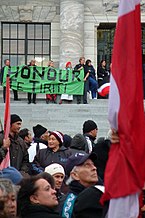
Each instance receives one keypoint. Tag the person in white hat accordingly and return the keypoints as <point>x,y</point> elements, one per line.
<point>58,173</point>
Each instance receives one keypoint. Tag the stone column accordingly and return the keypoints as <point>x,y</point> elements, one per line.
<point>71,31</point>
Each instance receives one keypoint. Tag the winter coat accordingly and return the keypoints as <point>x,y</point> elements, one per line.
<point>91,208</point>
<point>67,203</point>
<point>19,157</point>
<point>46,157</point>
<point>90,140</point>
<point>36,145</point>
<point>39,211</point>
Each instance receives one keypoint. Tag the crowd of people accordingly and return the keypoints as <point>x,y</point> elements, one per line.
<point>52,174</point>
<point>92,81</point>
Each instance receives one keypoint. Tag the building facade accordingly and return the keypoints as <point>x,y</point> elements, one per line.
<point>58,30</point>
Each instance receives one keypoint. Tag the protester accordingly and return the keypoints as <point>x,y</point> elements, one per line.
<point>40,141</point>
<point>10,203</point>
<point>93,84</point>
<point>80,66</point>
<point>26,135</point>
<point>57,171</point>
<point>30,99</point>
<point>51,97</point>
<point>90,130</point>
<point>7,64</point>
<point>66,97</point>
<point>54,153</point>
<point>103,74</point>
<point>18,153</point>
<point>37,198</point>
<point>81,173</point>
<point>12,174</point>
<point>101,149</point>
<point>79,144</point>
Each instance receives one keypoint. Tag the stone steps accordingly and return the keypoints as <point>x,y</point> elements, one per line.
<point>67,118</point>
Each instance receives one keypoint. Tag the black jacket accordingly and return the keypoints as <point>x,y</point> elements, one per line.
<point>19,157</point>
<point>87,204</point>
<point>46,157</point>
<point>67,203</point>
<point>38,211</point>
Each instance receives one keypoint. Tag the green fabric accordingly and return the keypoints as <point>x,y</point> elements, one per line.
<point>45,80</point>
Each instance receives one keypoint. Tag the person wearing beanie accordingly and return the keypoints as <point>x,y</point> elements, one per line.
<point>19,157</point>
<point>40,141</point>
<point>90,130</point>
<point>57,172</point>
<point>79,144</point>
<point>66,97</point>
<point>12,174</point>
<point>54,153</point>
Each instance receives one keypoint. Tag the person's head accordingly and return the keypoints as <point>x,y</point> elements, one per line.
<point>55,140</point>
<point>40,132</point>
<point>15,122</point>
<point>32,62</point>
<point>88,62</point>
<point>81,167</point>
<point>82,60</point>
<point>12,174</point>
<point>51,64</point>
<point>79,142</point>
<point>7,62</point>
<point>68,65</point>
<point>103,63</point>
<point>36,190</point>
<point>57,171</point>
<point>90,127</point>
<point>26,135</point>
<point>10,204</point>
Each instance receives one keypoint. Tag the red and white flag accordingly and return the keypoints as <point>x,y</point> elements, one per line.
<point>125,170</point>
<point>6,161</point>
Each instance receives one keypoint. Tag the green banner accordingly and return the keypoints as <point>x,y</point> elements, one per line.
<point>45,80</point>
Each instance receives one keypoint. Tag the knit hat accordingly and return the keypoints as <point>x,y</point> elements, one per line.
<point>58,135</point>
<point>89,125</point>
<point>12,174</point>
<point>67,64</point>
<point>15,118</point>
<point>79,142</point>
<point>78,159</point>
<point>38,130</point>
<point>54,168</point>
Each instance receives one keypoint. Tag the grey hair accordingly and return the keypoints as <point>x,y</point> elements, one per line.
<point>70,178</point>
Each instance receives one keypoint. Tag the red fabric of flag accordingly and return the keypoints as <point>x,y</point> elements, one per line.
<point>125,170</point>
<point>6,160</point>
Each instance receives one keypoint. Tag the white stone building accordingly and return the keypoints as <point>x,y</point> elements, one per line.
<point>60,30</point>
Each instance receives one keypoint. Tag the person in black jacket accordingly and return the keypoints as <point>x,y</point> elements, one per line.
<point>103,74</point>
<point>80,66</point>
<point>37,197</point>
<point>30,98</point>
<point>19,157</point>
<point>54,153</point>
<point>93,84</point>
<point>7,64</point>
<point>90,130</point>
<point>87,204</point>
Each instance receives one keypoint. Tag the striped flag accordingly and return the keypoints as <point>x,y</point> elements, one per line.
<point>125,170</point>
<point>6,161</point>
